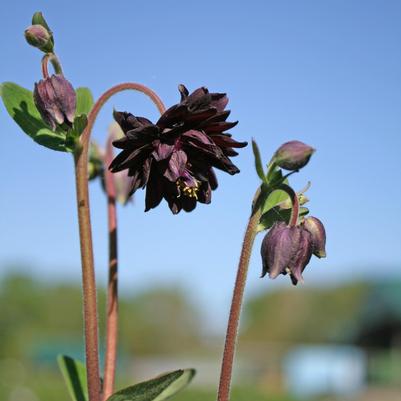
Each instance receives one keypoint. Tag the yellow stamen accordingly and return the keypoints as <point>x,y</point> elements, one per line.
<point>191,192</point>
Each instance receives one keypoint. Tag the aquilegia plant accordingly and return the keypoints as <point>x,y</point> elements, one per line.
<point>174,159</point>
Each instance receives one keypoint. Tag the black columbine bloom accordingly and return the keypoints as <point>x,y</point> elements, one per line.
<point>174,158</point>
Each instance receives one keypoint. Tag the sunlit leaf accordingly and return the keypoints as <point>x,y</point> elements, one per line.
<point>21,107</point>
<point>84,101</point>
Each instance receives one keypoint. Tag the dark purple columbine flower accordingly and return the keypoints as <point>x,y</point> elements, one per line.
<point>285,250</point>
<point>55,100</point>
<point>174,158</point>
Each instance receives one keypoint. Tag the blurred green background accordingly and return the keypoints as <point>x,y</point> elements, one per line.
<point>162,330</point>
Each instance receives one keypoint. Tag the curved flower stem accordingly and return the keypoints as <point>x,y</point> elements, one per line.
<point>55,63</point>
<point>236,304</point>
<point>112,287</point>
<point>85,233</point>
<point>295,203</point>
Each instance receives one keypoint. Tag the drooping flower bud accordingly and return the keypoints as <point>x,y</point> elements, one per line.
<point>38,36</point>
<point>293,155</point>
<point>301,257</point>
<point>318,233</point>
<point>285,250</point>
<point>55,100</point>
<point>278,246</point>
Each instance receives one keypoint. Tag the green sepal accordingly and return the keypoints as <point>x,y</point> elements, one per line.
<point>277,214</point>
<point>21,107</point>
<point>84,101</point>
<point>75,132</point>
<point>38,19</point>
<point>258,161</point>
<point>74,373</point>
<point>158,389</point>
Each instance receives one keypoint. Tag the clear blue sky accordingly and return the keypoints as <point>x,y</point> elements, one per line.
<point>324,72</point>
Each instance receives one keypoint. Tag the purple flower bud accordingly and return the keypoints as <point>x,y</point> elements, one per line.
<point>285,250</point>
<point>301,256</point>
<point>293,155</point>
<point>318,233</point>
<point>38,36</point>
<point>55,100</point>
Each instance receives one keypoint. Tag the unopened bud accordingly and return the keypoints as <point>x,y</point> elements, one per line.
<point>286,250</point>
<point>293,155</point>
<point>316,228</point>
<point>39,37</point>
<point>55,100</point>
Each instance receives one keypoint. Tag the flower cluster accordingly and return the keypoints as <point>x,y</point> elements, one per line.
<point>174,158</point>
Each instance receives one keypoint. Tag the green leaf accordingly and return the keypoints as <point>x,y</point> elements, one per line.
<point>258,161</point>
<point>274,198</point>
<point>75,132</point>
<point>21,107</point>
<point>84,101</point>
<point>74,373</point>
<point>158,389</point>
<point>277,214</point>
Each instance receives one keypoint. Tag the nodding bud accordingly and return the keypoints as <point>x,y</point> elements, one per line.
<point>55,100</point>
<point>293,155</point>
<point>318,233</point>
<point>285,250</point>
<point>38,36</point>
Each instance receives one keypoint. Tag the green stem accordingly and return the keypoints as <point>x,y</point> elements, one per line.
<point>236,304</point>
<point>88,272</point>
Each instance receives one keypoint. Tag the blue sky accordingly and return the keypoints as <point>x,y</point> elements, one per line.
<point>327,73</point>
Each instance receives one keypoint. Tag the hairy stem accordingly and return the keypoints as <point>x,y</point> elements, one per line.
<point>236,305</point>
<point>112,287</point>
<point>85,232</point>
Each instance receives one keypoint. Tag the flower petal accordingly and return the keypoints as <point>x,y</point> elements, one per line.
<point>176,165</point>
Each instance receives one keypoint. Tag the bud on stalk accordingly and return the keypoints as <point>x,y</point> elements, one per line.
<point>55,100</point>
<point>293,155</point>
<point>39,37</point>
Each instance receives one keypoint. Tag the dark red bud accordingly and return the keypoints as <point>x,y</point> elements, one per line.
<point>293,155</point>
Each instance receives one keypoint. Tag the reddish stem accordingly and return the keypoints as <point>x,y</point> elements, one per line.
<point>236,305</point>
<point>294,201</point>
<point>112,287</point>
<point>88,271</point>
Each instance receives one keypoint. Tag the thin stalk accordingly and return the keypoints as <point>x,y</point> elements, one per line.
<point>294,201</point>
<point>236,304</point>
<point>112,287</point>
<point>55,63</point>
<point>85,232</point>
